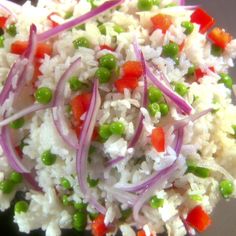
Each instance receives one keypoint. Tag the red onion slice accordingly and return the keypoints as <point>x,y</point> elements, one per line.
<point>177,99</point>
<point>83,147</point>
<point>157,185</point>
<point>9,151</point>
<point>80,20</point>
<point>5,137</point>
<point>144,184</point>
<point>183,122</point>
<point>179,140</point>
<point>59,118</point>
<point>24,112</point>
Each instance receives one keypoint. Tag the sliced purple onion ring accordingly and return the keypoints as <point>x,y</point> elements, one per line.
<point>167,173</point>
<point>179,140</point>
<point>183,122</point>
<point>59,118</point>
<point>10,152</point>
<point>177,99</point>
<point>83,148</point>
<point>80,20</point>
<point>24,112</point>
<point>5,136</point>
<point>144,184</point>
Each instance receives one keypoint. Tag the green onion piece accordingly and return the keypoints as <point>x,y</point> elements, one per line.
<point>196,197</point>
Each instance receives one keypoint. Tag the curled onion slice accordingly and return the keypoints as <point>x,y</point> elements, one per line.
<point>80,20</point>
<point>156,186</point>
<point>59,118</point>
<point>83,148</point>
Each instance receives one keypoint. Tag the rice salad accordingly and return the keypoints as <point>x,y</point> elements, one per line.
<point>115,116</point>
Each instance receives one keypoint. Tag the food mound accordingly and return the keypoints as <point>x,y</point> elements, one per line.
<point>115,116</point>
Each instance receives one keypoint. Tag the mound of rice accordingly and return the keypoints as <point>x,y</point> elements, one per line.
<point>208,142</point>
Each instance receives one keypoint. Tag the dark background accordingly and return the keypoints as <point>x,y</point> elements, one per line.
<point>224,215</point>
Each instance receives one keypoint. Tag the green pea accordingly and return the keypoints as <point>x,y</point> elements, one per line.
<point>81,42</point>
<point>196,197</point>
<point>170,50</point>
<point>125,214</point>
<point>102,29</point>
<point>6,186</point>
<point>164,109</point>
<point>188,26</point>
<point>43,95</point>
<point>2,39</point>
<point>191,71</point>
<point>156,202</point>
<point>181,89</point>
<point>92,182</point>
<point>75,84</point>
<point>117,128</point>
<point>154,94</point>
<point>65,183</point>
<point>103,74</point>
<point>234,129</point>
<point>21,207</point>
<point>11,30</point>
<point>68,15</point>
<point>153,108</point>
<point>226,188</point>
<point>145,5</point>
<point>216,51</point>
<point>171,5</point>
<point>156,2</point>
<point>108,61</point>
<point>80,27</point>
<point>48,158</point>
<point>17,124</point>
<point>80,206</point>
<point>104,131</point>
<point>16,177</point>
<point>118,29</point>
<point>65,200</point>
<point>226,80</point>
<point>79,220</point>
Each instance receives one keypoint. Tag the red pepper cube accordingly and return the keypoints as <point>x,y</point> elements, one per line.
<point>132,68</point>
<point>79,105</point>
<point>162,21</point>
<point>158,139</point>
<point>219,37</point>
<point>198,219</point>
<point>199,73</point>
<point>104,46</point>
<point>3,21</point>
<point>127,82</point>
<point>98,226</point>
<point>199,16</point>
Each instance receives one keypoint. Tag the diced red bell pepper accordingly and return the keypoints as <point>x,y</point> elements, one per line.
<point>52,17</point>
<point>3,21</point>
<point>98,226</point>
<point>181,46</point>
<point>198,219</point>
<point>219,37</point>
<point>141,233</point>
<point>162,21</point>
<point>199,16</point>
<point>19,47</point>
<point>104,46</point>
<point>199,73</point>
<point>158,139</point>
<point>80,105</point>
<point>127,82</point>
<point>132,68</point>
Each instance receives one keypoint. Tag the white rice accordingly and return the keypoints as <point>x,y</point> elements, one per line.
<point>207,141</point>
